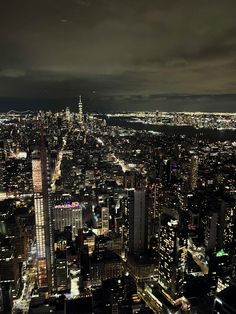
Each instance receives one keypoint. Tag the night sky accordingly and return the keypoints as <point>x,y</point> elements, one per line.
<point>133,54</point>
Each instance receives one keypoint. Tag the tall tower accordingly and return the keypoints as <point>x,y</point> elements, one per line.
<point>43,219</point>
<point>172,255</point>
<point>2,166</point>
<point>80,107</point>
<point>105,220</point>
<point>137,221</point>
<point>193,172</point>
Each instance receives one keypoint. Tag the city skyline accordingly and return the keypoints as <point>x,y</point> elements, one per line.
<point>130,103</point>
<point>124,213</point>
<point>118,157</point>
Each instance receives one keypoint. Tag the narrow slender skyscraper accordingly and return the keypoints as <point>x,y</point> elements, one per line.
<point>193,172</point>
<point>43,219</point>
<point>80,109</point>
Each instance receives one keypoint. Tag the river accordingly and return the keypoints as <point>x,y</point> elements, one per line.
<point>189,131</point>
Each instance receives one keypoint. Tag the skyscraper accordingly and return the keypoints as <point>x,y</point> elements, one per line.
<point>43,219</point>
<point>193,172</point>
<point>137,221</point>
<point>2,166</point>
<point>172,255</point>
<point>105,220</point>
<point>80,107</point>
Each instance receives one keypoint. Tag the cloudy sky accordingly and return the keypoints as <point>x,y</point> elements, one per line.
<point>117,48</point>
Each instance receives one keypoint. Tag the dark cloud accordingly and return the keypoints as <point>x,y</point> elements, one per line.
<point>62,48</point>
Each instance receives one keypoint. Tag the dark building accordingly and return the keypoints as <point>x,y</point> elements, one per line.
<point>61,270</point>
<point>137,213</point>
<point>225,301</point>
<point>105,265</point>
<point>80,305</point>
<point>6,300</point>
<point>9,265</point>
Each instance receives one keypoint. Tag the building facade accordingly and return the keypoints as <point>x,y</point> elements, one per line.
<point>68,214</point>
<point>43,220</point>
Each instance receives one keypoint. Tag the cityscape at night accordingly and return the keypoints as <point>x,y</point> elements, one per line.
<point>104,214</point>
<point>117,157</point>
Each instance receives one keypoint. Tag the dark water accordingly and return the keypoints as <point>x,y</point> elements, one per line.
<point>189,131</point>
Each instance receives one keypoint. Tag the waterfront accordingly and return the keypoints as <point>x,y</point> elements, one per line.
<point>203,133</point>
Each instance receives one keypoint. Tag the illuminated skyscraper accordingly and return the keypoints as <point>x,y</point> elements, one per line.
<point>193,172</point>
<point>80,107</point>
<point>43,220</point>
<point>2,166</point>
<point>105,220</point>
<point>172,255</point>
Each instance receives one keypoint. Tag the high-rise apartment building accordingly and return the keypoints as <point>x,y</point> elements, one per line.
<point>172,256</point>
<point>43,219</point>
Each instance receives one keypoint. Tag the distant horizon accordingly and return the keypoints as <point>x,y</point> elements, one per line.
<point>126,103</point>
